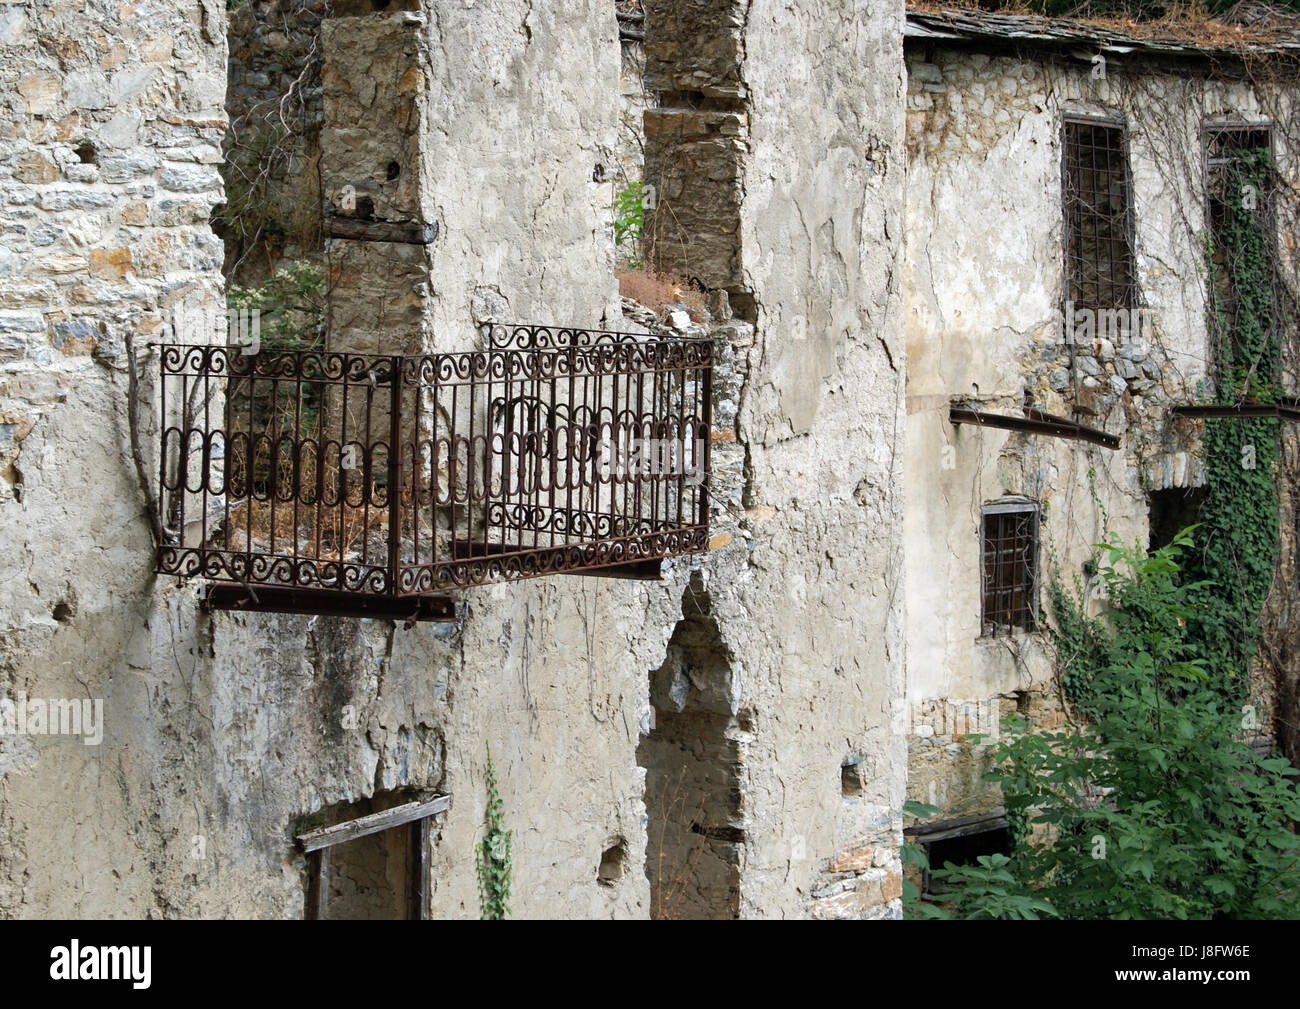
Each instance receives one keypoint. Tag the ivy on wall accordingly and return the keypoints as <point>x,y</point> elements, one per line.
<point>1229,570</point>
<point>1237,542</point>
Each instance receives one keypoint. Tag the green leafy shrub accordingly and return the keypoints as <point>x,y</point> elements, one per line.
<point>1154,810</point>
<point>291,306</point>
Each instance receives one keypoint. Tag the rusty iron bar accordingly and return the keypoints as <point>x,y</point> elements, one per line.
<point>550,451</point>
<point>1284,410</point>
<point>328,602</point>
<point>1034,422</point>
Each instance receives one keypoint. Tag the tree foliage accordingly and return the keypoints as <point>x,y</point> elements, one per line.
<point>1154,809</point>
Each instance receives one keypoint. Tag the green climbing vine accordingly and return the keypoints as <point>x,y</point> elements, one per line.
<point>1237,543</point>
<point>493,859</point>
<point>1228,569</point>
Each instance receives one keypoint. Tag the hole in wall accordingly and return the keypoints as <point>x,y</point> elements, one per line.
<point>1170,511</point>
<point>743,306</point>
<point>613,863</point>
<point>86,152</point>
<point>393,170</point>
<point>63,611</point>
<point>851,784</point>
<point>963,850</point>
<point>365,209</point>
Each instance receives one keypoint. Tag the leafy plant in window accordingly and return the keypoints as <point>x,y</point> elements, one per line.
<point>291,307</point>
<point>493,858</point>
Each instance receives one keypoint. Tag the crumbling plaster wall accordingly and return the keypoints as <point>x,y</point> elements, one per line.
<point>783,129</point>
<point>223,731</point>
<point>983,280</point>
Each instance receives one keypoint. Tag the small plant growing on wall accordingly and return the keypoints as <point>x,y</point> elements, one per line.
<point>629,224</point>
<point>493,857</point>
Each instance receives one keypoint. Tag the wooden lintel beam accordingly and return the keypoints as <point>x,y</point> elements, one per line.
<point>406,232</point>
<point>327,837</point>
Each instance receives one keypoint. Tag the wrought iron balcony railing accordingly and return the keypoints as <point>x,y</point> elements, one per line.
<point>308,481</point>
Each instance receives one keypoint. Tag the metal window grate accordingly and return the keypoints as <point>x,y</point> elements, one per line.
<point>1098,217</point>
<point>1009,553</point>
<point>1225,145</point>
<point>359,476</point>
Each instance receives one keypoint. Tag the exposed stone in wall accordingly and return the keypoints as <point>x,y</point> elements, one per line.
<point>694,159</point>
<point>695,147</point>
<point>274,100</point>
<point>375,77</point>
<point>108,149</point>
<point>696,46</point>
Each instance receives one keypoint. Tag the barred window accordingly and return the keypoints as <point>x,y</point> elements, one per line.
<point>1009,551</point>
<point>1099,257</point>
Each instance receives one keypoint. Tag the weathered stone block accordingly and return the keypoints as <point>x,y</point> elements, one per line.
<point>110,264</point>
<point>33,168</point>
<point>41,92</point>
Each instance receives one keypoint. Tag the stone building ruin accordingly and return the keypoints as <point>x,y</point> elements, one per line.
<point>709,705</point>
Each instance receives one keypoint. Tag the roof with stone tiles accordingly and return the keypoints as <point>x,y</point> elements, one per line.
<point>1249,30</point>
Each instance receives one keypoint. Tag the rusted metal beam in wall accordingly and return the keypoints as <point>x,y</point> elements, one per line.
<point>1287,409</point>
<point>327,602</point>
<point>1034,422</point>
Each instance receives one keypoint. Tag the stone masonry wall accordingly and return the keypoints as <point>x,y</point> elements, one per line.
<point>111,136</point>
<point>983,276</point>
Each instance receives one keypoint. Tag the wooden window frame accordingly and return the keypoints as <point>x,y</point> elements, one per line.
<point>416,816</point>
